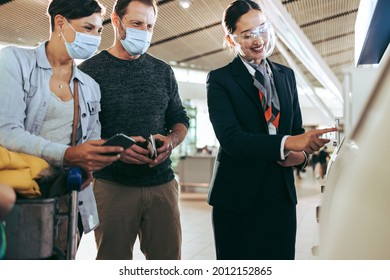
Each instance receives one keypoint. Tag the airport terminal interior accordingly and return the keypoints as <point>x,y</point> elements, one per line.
<point>340,56</point>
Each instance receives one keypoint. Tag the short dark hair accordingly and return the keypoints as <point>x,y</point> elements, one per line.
<point>234,11</point>
<point>73,9</point>
<point>120,6</point>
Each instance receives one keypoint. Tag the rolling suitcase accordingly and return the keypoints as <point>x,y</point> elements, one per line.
<point>32,225</point>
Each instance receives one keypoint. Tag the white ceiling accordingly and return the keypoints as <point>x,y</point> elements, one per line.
<point>193,38</point>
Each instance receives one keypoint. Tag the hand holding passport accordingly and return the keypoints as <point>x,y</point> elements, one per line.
<point>152,145</point>
<point>124,141</point>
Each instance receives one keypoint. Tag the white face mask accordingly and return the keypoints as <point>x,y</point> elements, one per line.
<point>83,46</point>
<point>137,41</point>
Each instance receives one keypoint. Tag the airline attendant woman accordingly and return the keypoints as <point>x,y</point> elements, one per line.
<point>254,109</point>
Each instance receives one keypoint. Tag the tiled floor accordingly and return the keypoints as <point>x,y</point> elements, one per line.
<point>198,241</point>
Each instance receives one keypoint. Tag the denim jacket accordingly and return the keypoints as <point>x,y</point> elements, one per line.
<point>24,97</point>
<point>24,94</point>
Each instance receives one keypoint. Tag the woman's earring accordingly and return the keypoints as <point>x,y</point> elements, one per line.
<point>230,40</point>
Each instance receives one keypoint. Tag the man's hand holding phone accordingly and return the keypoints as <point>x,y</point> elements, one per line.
<point>146,151</point>
<point>120,140</point>
<point>137,154</point>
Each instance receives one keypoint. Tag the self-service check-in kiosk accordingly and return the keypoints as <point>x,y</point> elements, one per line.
<point>355,207</point>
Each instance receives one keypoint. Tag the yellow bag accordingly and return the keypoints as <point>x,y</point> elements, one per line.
<point>20,172</point>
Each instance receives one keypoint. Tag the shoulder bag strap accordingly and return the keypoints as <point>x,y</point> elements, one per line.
<point>76,114</point>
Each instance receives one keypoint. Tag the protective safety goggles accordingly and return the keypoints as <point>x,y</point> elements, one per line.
<point>264,30</point>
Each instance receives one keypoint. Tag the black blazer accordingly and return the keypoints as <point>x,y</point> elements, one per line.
<point>246,164</point>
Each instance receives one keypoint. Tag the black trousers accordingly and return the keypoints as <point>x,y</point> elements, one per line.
<point>268,232</point>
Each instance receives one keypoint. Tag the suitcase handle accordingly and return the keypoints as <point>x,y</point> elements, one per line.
<point>75,179</point>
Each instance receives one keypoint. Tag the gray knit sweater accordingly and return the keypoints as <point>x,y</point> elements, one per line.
<point>139,97</point>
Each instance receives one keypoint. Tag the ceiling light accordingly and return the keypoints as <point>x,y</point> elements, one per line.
<point>185,4</point>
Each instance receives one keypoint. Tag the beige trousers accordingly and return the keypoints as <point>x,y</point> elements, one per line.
<point>125,212</point>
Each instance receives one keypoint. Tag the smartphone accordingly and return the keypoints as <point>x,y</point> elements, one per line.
<point>121,140</point>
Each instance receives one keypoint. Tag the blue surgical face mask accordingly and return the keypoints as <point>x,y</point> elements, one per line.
<point>136,41</point>
<point>83,46</point>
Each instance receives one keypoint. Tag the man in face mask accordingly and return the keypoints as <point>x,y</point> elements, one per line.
<point>138,195</point>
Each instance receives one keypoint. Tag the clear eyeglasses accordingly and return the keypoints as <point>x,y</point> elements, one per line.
<point>262,30</point>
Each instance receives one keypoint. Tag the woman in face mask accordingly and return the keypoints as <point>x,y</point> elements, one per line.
<point>38,85</point>
<point>48,107</point>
